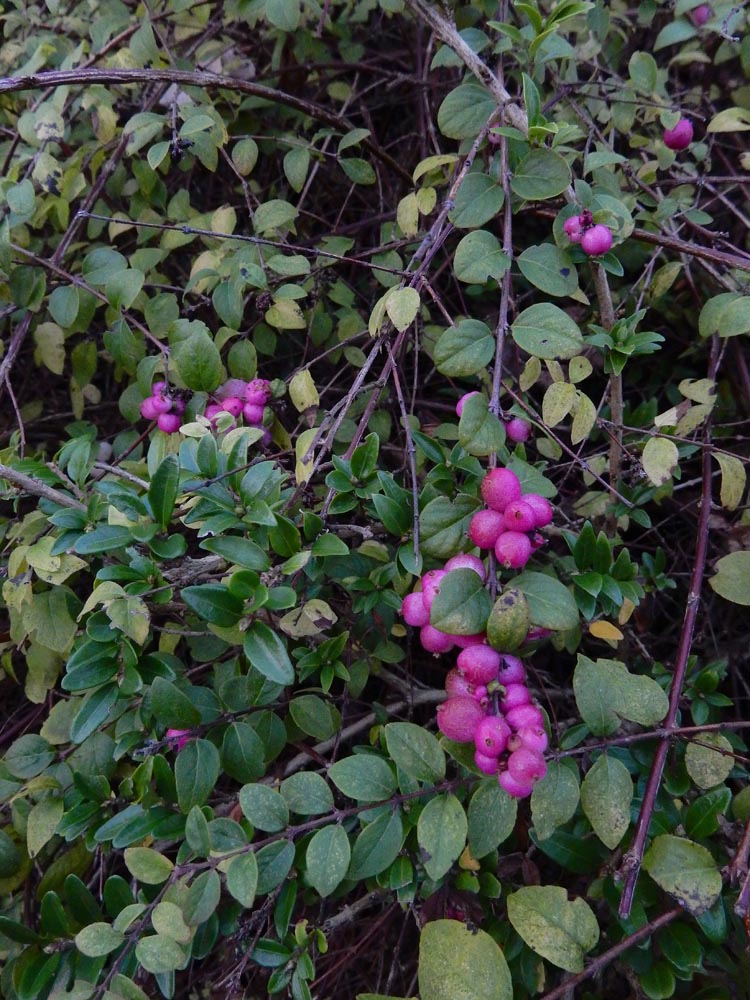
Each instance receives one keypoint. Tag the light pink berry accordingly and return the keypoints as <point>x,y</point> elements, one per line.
<point>499,488</point>
<point>162,404</point>
<point>523,716</point>
<point>543,510</point>
<point>169,422</point>
<point>533,738</point>
<point>699,15</point>
<point>466,641</point>
<point>487,765</point>
<point>515,695</point>
<point>512,670</point>
<point>253,414</point>
<point>485,528</point>
<point>479,664</point>
<point>435,641</point>
<point>516,789</point>
<point>466,561</point>
<point>518,430</point>
<point>159,387</point>
<point>492,735</point>
<point>233,405</point>
<point>526,766</point>
<point>573,228</point>
<point>258,392</point>
<point>431,585</point>
<point>414,611</point>
<point>232,387</point>
<point>212,411</point>
<point>149,410</point>
<point>178,406</point>
<point>458,718</point>
<point>680,136</point>
<point>456,685</point>
<point>178,737</point>
<point>462,400</point>
<point>519,516</point>
<point>512,550</point>
<point>596,240</point>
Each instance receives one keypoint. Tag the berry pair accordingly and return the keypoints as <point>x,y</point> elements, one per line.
<point>164,408</point>
<point>595,239</point>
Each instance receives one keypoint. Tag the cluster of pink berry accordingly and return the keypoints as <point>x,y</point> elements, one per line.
<point>595,239</point>
<point>163,407</point>
<point>511,521</point>
<point>241,399</point>
<point>416,607</point>
<point>489,703</point>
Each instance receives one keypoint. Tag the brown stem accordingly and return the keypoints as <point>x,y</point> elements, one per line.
<point>39,489</point>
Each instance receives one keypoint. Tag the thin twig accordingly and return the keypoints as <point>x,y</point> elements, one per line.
<point>39,489</point>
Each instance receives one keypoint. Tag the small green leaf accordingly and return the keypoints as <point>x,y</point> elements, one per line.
<point>540,175</point>
<point>363,777</point>
<point>605,692</point>
<point>684,870</point>
<point>159,954</point>
<point>492,818</point>
<point>606,794</point>
<point>242,878</point>
<point>443,525</point>
<point>402,306</point>
<point>480,257</point>
<point>307,794</point>
<point>462,604</point>
<point>415,751</point>
<point>464,111</point>
<point>458,963</point>
<point>709,759</point>
<point>328,856</point>
<point>41,823</point>
<point>441,833</point>
<point>264,807</point>
<point>554,799</point>
<point>172,707</point>
<point>196,770</point>
<point>659,459</point>
<point>545,331</point>
<point>98,939</point>
<point>478,200</point>
<point>163,490</point>
<point>377,846</point>
<point>732,579</point>
<point>266,651</point>
<point>214,603</point>
<point>479,431</point>
<point>199,362</point>
<point>560,930</point>
<point>147,865</point>
<point>549,268</point>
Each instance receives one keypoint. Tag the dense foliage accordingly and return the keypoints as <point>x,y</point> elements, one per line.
<point>252,256</point>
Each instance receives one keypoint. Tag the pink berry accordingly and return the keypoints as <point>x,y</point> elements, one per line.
<point>258,392</point>
<point>523,716</point>
<point>596,240</point>
<point>253,414</point>
<point>536,632</point>
<point>149,411</point>
<point>232,387</point>
<point>162,404</point>
<point>458,718</point>
<point>456,685</point>
<point>526,766</point>
<point>462,400</point>
<point>465,561</point>
<point>169,422</point>
<point>515,696</point>
<point>533,738</point>
<point>519,516</point>
<point>212,411</point>
<point>518,430</point>
<point>414,611</point>
<point>435,641</point>
<point>480,695</point>
<point>266,439</point>
<point>512,670</point>
<point>487,765</point>
<point>699,15</point>
<point>573,228</point>
<point>178,737</point>
<point>542,508</point>
<point>233,405</point>
<point>479,664</point>
<point>500,487</point>
<point>680,136</point>
<point>512,550</point>
<point>178,406</point>
<point>431,585</point>
<point>485,528</point>
<point>159,387</point>
<point>516,789</point>
<point>465,641</point>
<point>492,735</point>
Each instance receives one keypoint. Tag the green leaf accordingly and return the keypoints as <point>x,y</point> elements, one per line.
<point>478,200</point>
<point>283,14</point>
<point>41,823</point>
<point>701,818</point>
<point>377,846</point>
<point>63,305</point>
<point>709,759</point>
<point>196,771</point>
<point>545,331</point>
<point>264,807</point>
<point>214,603</point>
<point>172,707</point>
<point>732,579</point>
<point>478,258</point>
<point>266,651</point>
<point>307,794</point>
<point>242,878</point>
<point>163,490</point>
<point>443,525</point>
<point>159,954</point>
<point>549,268</point>
<point>554,799</point>
<point>605,692</point>
<point>202,898</point>
<point>643,72</point>
<point>462,604</point>
<point>242,752</point>
<point>659,459</point>
<point>98,939</point>
<point>147,865</point>
<point>168,920</point>
<point>28,756</point>
<point>199,362</point>
<point>492,817</point>
<point>242,551</point>
<point>358,171</point>
<point>107,538</point>
<point>93,713</point>
<point>328,856</point>
<point>197,834</point>
<point>480,432</point>
<point>273,214</point>
<point>464,111</point>
<point>458,963</point>
<point>606,794</point>
<point>441,833</point>
<point>559,400</point>
<point>464,349</point>
<point>540,175</point>
<point>730,120</point>
<point>509,621</point>
<point>415,751</point>
<point>733,480</point>
<point>363,777</point>
<point>551,604</point>
<point>684,870</point>
<point>402,305</point>
<point>296,166</point>
<point>560,930</point>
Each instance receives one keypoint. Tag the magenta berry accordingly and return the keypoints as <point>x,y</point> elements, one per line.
<point>212,411</point>
<point>499,488</point>
<point>466,561</point>
<point>253,414</point>
<point>699,15</point>
<point>431,585</point>
<point>435,641</point>
<point>518,430</point>
<point>533,738</point>
<point>519,516</point>
<point>485,528</point>
<point>526,766</point>
<point>466,641</point>
<point>523,716</point>
<point>479,664</point>
<point>462,400</point>
<point>178,737</point>
<point>159,388</point>
<point>169,422</point>
<point>536,632</point>
<point>458,718</point>
<point>233,405</point>
<point>414,611</point>
<point>680,136</point>
<point>258,392</point>
<point>232,387</point>
<point>149,410</point>
<point>512,550</point>
<point>542,509</point>
<point>573,228</point>
<point>487,765</point>
<point>512,670</point>
<point>516,789</point>
<point>456,685</point>
<point>515,696</point>
<point>162,404</point>
<point>596,240</point>
<point>492,735</point>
